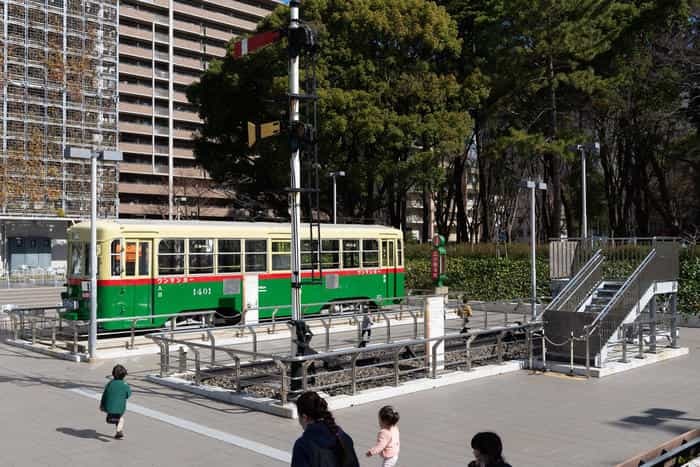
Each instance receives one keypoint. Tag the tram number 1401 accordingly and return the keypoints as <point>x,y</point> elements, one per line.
<point>201,291</point>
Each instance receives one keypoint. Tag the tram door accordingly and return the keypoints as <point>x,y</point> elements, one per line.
<point>138,267</point>
<point>389,265</point>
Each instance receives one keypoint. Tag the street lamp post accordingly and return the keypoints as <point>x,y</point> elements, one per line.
<point>532,186</point>
<point>582,149</point>
<point>115,156</point>
<point>333,175</point>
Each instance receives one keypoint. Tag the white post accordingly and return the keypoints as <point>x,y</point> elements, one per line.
<point>92,334</point>
<point>295,170</point>
<point>533,252</point>
<point>584,219</point>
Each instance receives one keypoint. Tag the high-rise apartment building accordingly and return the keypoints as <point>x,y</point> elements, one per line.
<point>164,46</point>
<point>59,89</point>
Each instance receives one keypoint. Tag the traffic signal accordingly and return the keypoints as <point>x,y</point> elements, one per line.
<point>301,38</point>
<point>301,134</point>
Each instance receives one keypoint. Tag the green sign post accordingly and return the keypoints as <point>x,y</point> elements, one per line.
<point>438,261</point>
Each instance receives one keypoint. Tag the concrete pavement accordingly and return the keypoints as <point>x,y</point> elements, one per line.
<point>543,419</point>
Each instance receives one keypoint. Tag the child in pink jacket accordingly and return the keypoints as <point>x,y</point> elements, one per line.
<point>388,443</point>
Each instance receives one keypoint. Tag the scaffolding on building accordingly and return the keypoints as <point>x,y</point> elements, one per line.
<point>59,89</point>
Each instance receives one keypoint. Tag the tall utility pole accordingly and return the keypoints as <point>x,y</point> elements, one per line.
<point>295,194</point>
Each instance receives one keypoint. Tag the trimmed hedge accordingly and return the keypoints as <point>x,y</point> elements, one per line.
<point>483,275</point>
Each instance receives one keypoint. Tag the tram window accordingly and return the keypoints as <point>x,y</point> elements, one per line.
<point>255,255</point>
<point>351,253</point>
<point>281,255</point>
<point>387,253</point>
<point>130,259</point>
<point>116,258</point>
<point>201,259</point>
<point>309,250</point>
<point>370,253</point>
<point>77,258</point>
<point>229,256</point>
<point>171,257</point>
<point>144,260</point>
<point>330,254</point>
<point>399,253</point>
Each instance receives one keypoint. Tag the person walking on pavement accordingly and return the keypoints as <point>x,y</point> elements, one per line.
<point>323,443</point>
<point>114,398</point>
<point>366,327</point>
<point>388,442</point>
<point>488,450</point>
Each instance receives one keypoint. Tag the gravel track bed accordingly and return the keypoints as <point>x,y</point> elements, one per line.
<point>374,369</point>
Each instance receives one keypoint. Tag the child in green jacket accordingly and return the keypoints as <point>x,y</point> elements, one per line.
<point>114,399</point>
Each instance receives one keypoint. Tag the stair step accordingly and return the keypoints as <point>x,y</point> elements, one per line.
<point>594,308</point>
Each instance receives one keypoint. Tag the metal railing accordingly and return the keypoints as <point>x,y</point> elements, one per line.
<point>47,324</point>
<point>619,307</point>
<point>580,286</point>
<point>350,369</point>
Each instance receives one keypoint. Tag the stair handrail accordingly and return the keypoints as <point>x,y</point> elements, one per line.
<point>590,328</point>
<point>575,282</point>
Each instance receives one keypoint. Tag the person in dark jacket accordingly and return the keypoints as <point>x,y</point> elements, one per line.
<point>323,443</point>
<point>488,450</point>
<point>114,399</point>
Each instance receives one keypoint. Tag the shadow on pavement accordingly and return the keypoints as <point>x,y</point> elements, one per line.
<point>85,434</point>
<point>669,420</point>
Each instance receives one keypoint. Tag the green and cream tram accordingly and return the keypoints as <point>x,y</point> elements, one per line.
<point>149,269</point>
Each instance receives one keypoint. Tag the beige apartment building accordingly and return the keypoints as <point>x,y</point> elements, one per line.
<point>164,46</point>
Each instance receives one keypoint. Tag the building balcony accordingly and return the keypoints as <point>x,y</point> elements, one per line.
<point>184,79</point>
<point>192,63</point>
<point>183,153</point>
<point>138,52</point>
<point>213,16</point>
<point>138,109</point>
<point>185,116</point>
<point>135,70</point>
<point>135,148</point>
<point>242,7</point>
<point>136,33</point>
<point>180,97</point>
<point>161,210</point>
<point>140,128</point>
<point>135,89</point>
<point>182,134</point>
<point>135,14</point>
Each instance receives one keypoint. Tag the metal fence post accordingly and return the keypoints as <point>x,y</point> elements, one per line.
<point>624,343</point>
<point>674,321</point>
<point>469,352</point>
<point>133,332</point>
<point>530,357</point>
<point>499,348</point>
<point>486,319</point>
<point>353,373</point>
<point>182,360</point>
<point>237,361</point>
<point>33,332</point>
<point>53,335</point>
<point>396,366</point>
<point>162,360</point>
<point>212,340</point>
<point>283,387</point>
<point>641,342</point>
<point>588,353</point>
<point>75,339</point>
<point>544,352</point>
<point>197,367</point>
<point>388,327</point>
<point>327,327</point>
<point>571,354</point>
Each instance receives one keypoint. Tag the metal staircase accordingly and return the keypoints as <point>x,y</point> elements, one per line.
<point>617,283</point>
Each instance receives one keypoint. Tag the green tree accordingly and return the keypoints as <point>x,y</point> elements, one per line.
<point>386,86</point>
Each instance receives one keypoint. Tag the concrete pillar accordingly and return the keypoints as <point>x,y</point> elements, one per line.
<point>434,323</point>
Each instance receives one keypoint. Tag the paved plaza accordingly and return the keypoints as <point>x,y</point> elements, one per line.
<point>51,418</point>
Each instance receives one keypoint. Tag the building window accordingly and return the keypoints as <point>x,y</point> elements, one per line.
<point>171,257</point>
<point>281,255</point>
<point>255,255</point>
<point>370,253</point>
<point>351,253</point>
<point>229,255</point>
